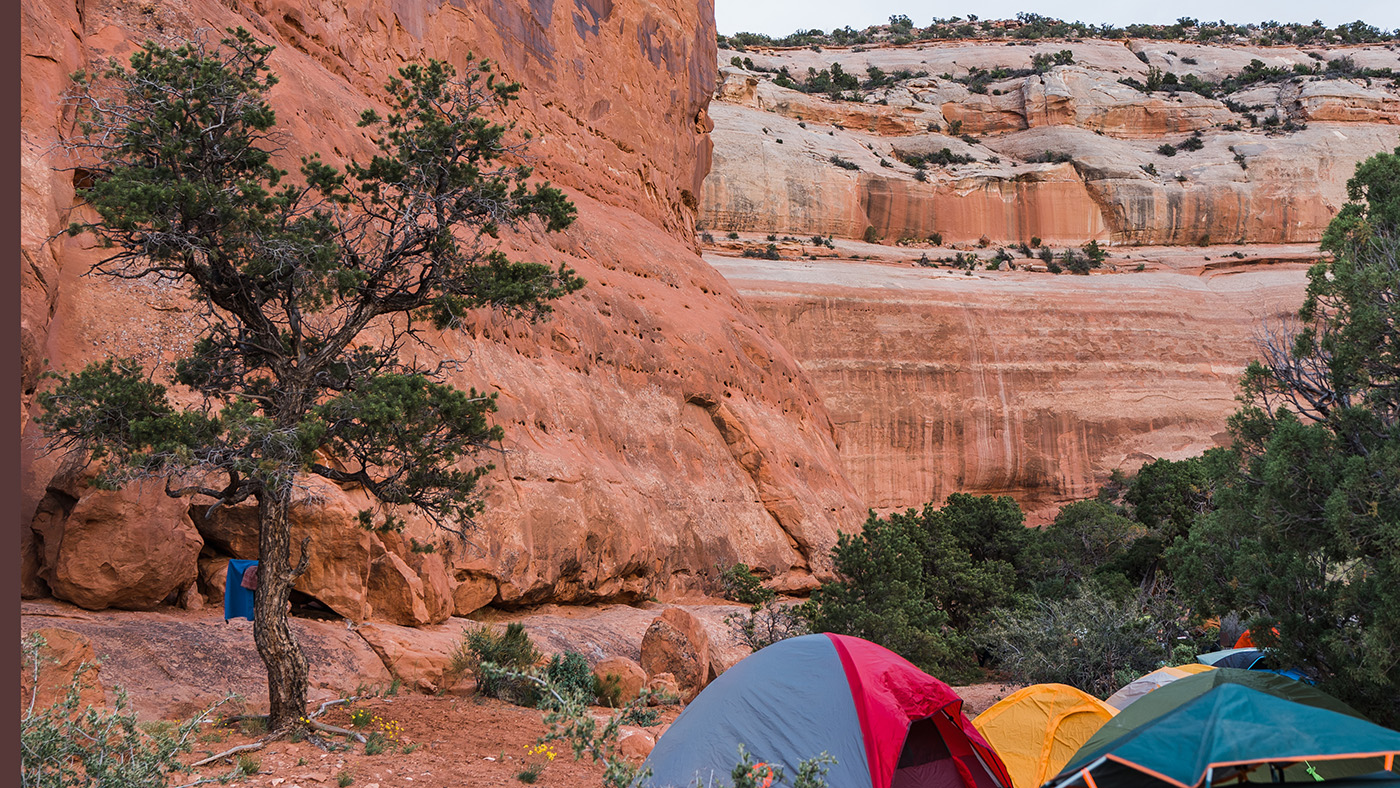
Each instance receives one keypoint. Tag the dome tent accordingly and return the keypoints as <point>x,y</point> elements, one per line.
<point>887,723</point>
<point>1036,730</point>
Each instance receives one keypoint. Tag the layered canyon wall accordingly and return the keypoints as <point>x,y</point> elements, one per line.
<point>654,427</point>
<point>1020,382</point>
<point>1278,178</point>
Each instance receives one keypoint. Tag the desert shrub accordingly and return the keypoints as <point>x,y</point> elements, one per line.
<point>845,164</point>
<point>71,745</point>
<point>918,582</point>
<point>1046,255</point>
<point>921,175</point>
<point>509,650</point>
<point>1194,142</point>
<point>707,238</point>
<point>1096,640</point>
<point>1035,241</point>
<point>739,584</point>
<point>1166,149</point>
<point>871,236</point>
<point>733,236</point>
<point>1050,157</point>
<point>1094,252</point>
<point>569,672</point>
<point>936,239</point>
<point>766,624</point>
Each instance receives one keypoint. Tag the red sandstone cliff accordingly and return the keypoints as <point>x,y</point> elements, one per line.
<point>654,427</point>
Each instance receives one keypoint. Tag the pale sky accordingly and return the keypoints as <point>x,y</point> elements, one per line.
<point>781,17</point>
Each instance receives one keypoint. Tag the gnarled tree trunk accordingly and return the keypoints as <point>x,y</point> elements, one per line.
<point>286,664</point>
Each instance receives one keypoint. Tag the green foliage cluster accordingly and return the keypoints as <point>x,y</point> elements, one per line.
<point>918,583</point>
<point>489,656</point>
<point>739,584</point>
<point>1304,532</point>
<point>569,672</point>
<point>1050,157</point>
<point>1097,639</point>
<point>940,158</point>
<point>845,164</point>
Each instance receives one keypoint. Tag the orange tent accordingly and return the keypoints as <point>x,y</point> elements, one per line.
<point>1247,639</point>
<point>1037,730</point>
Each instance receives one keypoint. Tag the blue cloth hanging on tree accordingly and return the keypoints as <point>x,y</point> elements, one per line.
<point>238,601</point>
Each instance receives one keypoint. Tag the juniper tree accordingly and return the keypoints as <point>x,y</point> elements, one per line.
<point>1304,536</point>
<point>313,290</point>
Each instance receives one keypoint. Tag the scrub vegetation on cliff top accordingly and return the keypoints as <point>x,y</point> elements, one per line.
<point>1033,27</point>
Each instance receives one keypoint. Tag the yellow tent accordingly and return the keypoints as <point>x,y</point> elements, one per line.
<point>1038,729</point>
<point>1146,683</point>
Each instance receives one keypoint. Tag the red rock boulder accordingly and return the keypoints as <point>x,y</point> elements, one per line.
<point>127,548</point>
<point>676,643</point>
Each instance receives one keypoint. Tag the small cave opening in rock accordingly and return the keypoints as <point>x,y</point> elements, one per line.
<point>307,606</point>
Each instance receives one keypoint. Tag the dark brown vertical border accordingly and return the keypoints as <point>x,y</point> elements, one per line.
<point>9,468</point>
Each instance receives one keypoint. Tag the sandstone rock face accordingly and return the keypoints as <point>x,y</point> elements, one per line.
<point>1021,383</point>
<point>676,643</point>
<point>653,425</point>
<point>774,170</point>
<point>127,549</point>
<point>631,678</point>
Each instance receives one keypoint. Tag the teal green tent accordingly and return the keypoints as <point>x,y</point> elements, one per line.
<point>1166,698</point>
<point>1228,731</point>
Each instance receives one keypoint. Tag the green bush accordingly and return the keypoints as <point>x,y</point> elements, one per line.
<point>1096,641</point>
<point>569,672</point>
<point>881,597</point>
<point>510,650</point>
<point>739,584</point>
<point>1088,539</point>
<point>919,582</point>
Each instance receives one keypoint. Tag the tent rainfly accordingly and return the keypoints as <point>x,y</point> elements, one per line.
<point>1036,730</point>
<point>887,723</point>
<point>1232,731</point>
<point>1144,684</point>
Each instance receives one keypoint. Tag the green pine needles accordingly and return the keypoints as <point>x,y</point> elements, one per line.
<point>314,288</point>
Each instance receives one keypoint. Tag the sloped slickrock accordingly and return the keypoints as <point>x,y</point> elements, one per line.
<point>64,652</point>
<point>614,483</point>
<point>175,663</point>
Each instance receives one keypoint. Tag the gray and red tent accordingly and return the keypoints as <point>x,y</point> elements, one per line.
<point>888,724</point>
